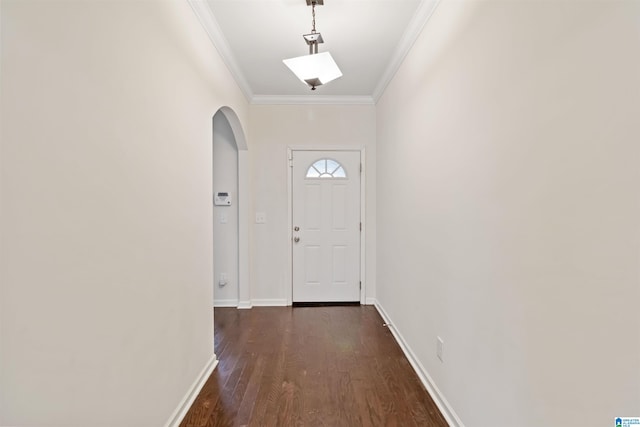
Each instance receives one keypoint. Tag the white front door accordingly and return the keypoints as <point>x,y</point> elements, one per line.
<point>326,226</point>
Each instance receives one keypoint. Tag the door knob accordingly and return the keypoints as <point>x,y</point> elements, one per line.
<point>296,228</point>
<point>296,239</point>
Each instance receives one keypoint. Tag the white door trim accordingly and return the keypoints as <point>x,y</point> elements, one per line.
<point>290,149</point>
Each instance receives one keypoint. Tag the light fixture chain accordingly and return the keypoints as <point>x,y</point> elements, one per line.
<point>313,16</point>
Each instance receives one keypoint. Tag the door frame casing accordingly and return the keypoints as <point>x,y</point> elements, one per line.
<point>363,171</point>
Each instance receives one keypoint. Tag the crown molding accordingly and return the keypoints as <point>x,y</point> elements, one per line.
<point>420,18</point>
<point>212,28</point>
<point>311,99</point>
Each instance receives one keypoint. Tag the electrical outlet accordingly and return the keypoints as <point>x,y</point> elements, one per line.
<point>261,218</point>
<point>223,280</point>
<point>440,349</point>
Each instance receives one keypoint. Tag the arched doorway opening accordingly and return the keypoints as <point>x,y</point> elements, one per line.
<point>230,217</point>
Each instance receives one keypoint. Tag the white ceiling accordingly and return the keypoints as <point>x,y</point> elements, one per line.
<point>367,38</point>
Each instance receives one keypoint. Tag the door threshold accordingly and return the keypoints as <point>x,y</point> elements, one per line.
<point>325,304</point>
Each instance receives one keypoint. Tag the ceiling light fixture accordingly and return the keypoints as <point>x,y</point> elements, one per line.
<point>314,69</point>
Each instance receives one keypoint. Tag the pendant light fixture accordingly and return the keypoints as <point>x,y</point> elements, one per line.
<point>314,69</point>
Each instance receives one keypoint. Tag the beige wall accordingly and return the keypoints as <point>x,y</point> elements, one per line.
<point>509,139</point>
<point>106,259</point>
<point>273,129</point>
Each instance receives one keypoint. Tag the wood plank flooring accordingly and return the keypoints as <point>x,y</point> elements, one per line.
<point>310,366</point>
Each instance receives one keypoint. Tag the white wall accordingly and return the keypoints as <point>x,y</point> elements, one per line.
<point>225,234</point>
<point>509,138</point>
<point>273,129</point>
<point>106,222</point>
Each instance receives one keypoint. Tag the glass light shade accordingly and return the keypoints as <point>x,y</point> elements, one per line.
<point>314,70</point>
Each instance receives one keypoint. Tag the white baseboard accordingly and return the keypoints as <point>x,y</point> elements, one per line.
<point>182,409</point>
<point>243,305</point>
<point>269,302</point>
<point>225,302</point>
<point>370,301</point>
<point>445,408</point>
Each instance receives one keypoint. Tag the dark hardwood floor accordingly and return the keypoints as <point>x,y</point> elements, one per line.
<point>309,366</point>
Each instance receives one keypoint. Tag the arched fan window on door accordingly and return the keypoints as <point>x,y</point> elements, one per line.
<point>326,168</point>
